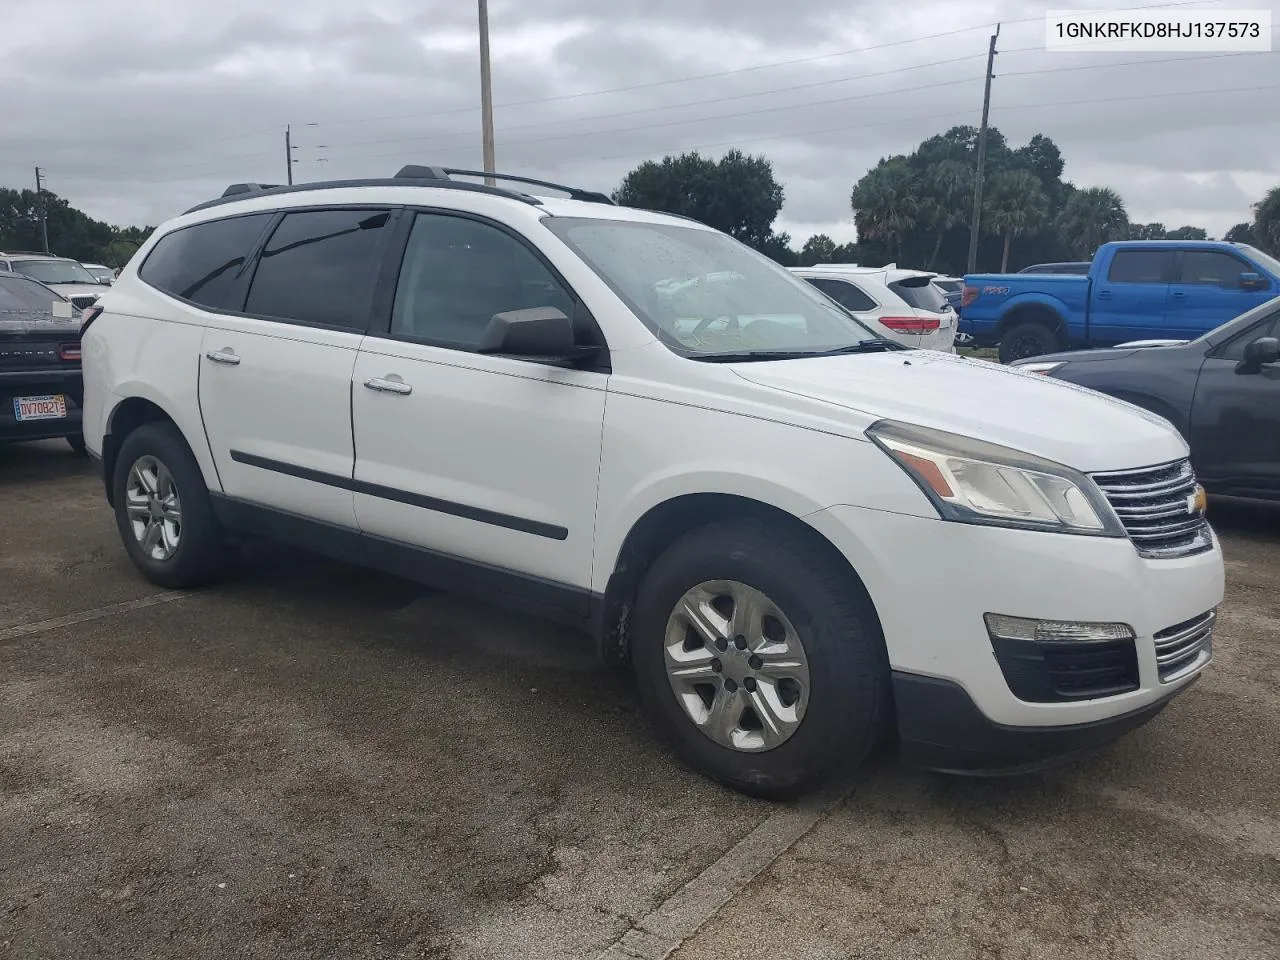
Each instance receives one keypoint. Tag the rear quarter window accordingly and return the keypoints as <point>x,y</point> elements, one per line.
<point>201,263</point>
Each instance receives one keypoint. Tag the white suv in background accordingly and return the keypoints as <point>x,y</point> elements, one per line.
<point>901,305</point>
<point>788,526</point>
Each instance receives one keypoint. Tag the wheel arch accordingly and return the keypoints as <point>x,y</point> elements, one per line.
<point>1034,311</point>
<point>660,526</point>
<point>128,415</point>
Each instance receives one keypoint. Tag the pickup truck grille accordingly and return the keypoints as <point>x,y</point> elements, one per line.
<point>1182,648</point>
<point>1156,506</point>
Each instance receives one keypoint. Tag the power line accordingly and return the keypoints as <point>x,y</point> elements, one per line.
<point>738,70</point>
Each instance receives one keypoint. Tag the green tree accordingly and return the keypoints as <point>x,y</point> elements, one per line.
<point>944,202</point>
<point>1187,233</point>
<point>818,249</point>
<point>1241,233</point>
<point>1266,221</point>
<point>1147,231</point>
<point>1092,216</point>
<point>737,194</point>
<point>886,203</point>
<point>1015,205</point>
<point>72,233</point>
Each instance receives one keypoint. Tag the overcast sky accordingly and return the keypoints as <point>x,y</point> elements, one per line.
<point>137,109</point>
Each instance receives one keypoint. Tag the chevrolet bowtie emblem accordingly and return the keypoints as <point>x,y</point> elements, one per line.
<point>1198,502</point>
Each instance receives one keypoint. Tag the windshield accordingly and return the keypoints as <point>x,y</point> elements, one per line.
<point>54,271</point>
<point>705,295</point>
<point>17,293</point>
<point>1271,264</point>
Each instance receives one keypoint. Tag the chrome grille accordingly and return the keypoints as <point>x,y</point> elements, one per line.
<point>1155,504</point>
<point>1184,647</point>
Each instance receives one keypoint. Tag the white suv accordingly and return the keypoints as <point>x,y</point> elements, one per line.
<point>800,536</point>
<point>902,305</point>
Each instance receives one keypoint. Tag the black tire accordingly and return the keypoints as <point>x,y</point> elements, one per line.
<point>76,442</point>
<point>1031,338</point>
<point>850,689</point>
<point>200,557</point>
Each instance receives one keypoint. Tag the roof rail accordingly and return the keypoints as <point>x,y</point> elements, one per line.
<point>413,171</point>
<point>237,188</point>
<point>28,253</point>
<point>242,191</point>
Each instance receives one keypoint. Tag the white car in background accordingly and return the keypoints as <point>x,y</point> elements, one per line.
<point>103,273</point>
<point>901,305</point>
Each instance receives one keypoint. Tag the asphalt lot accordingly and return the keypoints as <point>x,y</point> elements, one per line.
<point>313,761</point>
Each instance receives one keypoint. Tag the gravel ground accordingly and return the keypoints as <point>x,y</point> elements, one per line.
<point>313,761</point>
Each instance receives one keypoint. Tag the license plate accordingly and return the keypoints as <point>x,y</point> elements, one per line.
<point>51,407</point>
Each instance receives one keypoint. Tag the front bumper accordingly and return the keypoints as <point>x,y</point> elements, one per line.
<point>932,581</point>
<point>941,728</point>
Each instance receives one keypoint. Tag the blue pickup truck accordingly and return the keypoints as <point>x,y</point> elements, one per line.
<point>1134,290</point>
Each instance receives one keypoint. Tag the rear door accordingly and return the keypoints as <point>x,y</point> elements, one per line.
<point>275,375</point>
<point>1206,293</point>
<point>1128,303</point>
<point>1235,418</point>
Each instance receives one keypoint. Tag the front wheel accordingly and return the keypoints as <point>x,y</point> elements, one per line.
<point>163,509</point>
<point>759,658</point>
<point>1028,339</point>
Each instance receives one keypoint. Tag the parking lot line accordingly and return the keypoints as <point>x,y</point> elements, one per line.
<point>42,626</point>
<point>661,932</point>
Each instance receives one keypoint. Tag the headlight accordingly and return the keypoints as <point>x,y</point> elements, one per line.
<point>1045,368</point>
<point>973,481</point>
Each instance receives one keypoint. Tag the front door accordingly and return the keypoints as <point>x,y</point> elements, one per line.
<point>1129,302</point>
<point>486,459</point>
<point>275,377</point>
<point>1235,418</point>
<point>1206,293</point>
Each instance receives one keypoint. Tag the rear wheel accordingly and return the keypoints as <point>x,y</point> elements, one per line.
<point>759,659</point>
<point>163,509</point>
<point>1032,338</point>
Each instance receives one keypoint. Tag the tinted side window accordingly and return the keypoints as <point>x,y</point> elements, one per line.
<point>844,293</point>
<point>1212,269</point>
<point>200,263</point>
<point>1234,350</point>
<point>1141,266</point>
<point>457,273</point>
<point>921,296</point>
<point>320,267</point>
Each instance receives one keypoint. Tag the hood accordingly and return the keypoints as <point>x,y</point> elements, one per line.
<point>1151,343</point>
<point>79,289</point>
<point>975,398</point>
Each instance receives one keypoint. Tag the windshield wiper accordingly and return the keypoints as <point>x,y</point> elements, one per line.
<point>876,345</point>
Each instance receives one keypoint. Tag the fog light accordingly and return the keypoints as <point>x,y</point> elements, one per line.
<point>1055,631</point>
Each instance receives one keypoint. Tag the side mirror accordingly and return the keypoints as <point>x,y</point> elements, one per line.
<point>1252,281</point>
<point>538,333</point>
<point>1262,351</point>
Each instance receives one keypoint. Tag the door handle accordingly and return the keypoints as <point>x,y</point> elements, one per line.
<point>388,384</point>
<point>1179,296</point>
<point>225,355</point>
<point>1104,294</point>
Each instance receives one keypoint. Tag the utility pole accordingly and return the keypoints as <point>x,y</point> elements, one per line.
<point>486,91</point>
<point>288,155</point>
<point>975,226</point>
<point>44,215</point>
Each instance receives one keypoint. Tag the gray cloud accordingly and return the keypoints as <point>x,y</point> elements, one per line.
<point>139,113</point>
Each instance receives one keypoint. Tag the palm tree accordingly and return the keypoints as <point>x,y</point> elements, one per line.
<point>1092,217</point>
<point>1266,221</point>
<point>886,202</point>
<point>1015,206</point>
<point>948,184</point>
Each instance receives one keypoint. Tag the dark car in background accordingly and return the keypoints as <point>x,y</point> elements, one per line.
<point>41,390</point>
<point>1221,390</point>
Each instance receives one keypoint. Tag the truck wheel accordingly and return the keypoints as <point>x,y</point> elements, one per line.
<point>1028,339</point>
<point>758,659</point>
<point>163,509</point>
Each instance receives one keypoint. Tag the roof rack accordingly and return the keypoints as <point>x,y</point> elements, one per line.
<point>443,173</point>
<point>28,253</point>
<point>421,175</point>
